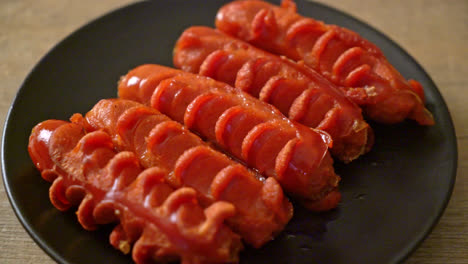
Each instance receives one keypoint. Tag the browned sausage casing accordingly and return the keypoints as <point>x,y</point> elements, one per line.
<point>339,54</point>
<point>297,91</point>
<point>250,130</point>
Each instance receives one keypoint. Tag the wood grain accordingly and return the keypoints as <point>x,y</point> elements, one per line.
<point>434,32</point>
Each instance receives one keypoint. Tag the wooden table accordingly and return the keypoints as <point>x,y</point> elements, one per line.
<point>434,32</point>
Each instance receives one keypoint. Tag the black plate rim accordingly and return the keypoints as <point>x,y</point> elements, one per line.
<point>402,256</point>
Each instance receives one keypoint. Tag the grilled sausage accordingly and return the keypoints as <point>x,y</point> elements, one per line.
<point>262,209</point>
<point>162,224</point>
<point>342,56</point>
<point>297,91</point>
<point>250,130</point>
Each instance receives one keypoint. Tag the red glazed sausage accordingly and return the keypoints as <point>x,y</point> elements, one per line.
<point>297,91</point>
<point>244,127</point>
<point>339,54</point>
<point>262,210</point>
<point>161,223</point>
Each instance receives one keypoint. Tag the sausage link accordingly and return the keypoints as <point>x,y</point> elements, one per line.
<point>159,141</point>
<point>298,92</point>
<point>218,111</point>
<point>162,224</point>
<point>335,52</point>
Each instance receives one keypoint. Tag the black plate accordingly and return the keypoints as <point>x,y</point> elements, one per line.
<point>392,197</point>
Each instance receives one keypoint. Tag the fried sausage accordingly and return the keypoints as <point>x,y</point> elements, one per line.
<point>262,208</point>
<point>342,56</point>
<point>161,223</point>
<point>250,130</point>
<point>297,91</point>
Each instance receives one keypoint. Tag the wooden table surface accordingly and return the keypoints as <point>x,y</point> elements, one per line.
<point>434,32</point>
